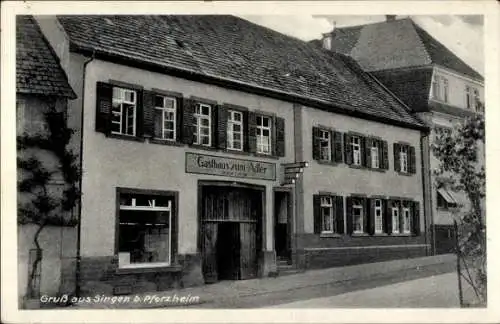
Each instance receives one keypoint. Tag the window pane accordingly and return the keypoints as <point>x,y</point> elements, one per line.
<point>205,110</point>
<point>237,116</point>
<point>237,137</point>
<point>159,101</point>
<point>205,131</point>
<point>265,122</point>
<point>158,120</point>
<point>237,128</point>
<point>205,140</point>
<point>169,103</point>
<point>117,93</point>
<point>259,120</point>
<point>205,122</point>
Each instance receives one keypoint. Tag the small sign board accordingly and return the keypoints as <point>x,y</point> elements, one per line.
<point>229,167</point>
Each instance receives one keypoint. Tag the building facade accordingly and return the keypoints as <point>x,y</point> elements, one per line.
<point>201,165</point>
<point>436,84</point>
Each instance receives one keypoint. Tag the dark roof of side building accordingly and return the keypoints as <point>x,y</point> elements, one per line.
<point>38,71</point>
<point>396,44</point>
<point>234,52</point>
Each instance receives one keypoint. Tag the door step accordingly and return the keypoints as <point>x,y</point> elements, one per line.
<point>284,268</point>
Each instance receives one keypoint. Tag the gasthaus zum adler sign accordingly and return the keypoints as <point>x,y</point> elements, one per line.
<point>222,166</point>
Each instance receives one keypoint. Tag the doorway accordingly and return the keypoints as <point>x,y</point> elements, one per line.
<point>282,225</point>
<point>230,232</point>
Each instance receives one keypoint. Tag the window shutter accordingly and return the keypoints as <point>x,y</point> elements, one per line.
<point>348,215</point>
<point>273,136</point>
<point>280,136</point>
<point>371,218</point>
<point>416,218</point>
<point>388,216</point>
<point>252,132</point>
<point>178,119</point>
<point>368,151</point>
<point>339,213</point>
<point>317,213</point>
<point>245,131</point>
<point>385,155</point>
<point>148,113</point>
<point>397,163</point>
<point>214,127</point>
<point>401,217</point>
<point>104,103</point>
<point>366,215</point>
<point>362,148</point>
<point>412,160</point>
<point>337,138</point>
<point>316,144</point>
<point>139,126</point>
<point>222,115</point>
<point>187,120</point>
<point>347,149</point>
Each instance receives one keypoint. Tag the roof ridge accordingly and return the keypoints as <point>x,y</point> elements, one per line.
<point>373,23</point>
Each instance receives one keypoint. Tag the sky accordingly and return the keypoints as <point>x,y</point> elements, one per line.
<point>463,35</point>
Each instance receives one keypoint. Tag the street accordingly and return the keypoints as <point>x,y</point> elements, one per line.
<point>434,291</point>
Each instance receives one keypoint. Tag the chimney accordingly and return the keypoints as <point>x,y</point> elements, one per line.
<point>328,38</point>
<point>390,17</point>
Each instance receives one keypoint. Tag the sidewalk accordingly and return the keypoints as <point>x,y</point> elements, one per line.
<point>230,290</point>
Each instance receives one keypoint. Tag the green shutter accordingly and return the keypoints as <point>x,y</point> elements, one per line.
<point>187,120</point>
<point>368,151</point>
<point>384,162</point>
<point>139,123</point>
<point>178,119</point>
<point>252,132</point>
<point>317,213</point>
<point>347,149</point>
<point>371,216</point>
<point>214,127</point>
<point>337,138</point>
<point>397,163</point>
<point>388,216</point>
<point>339,213</point>
<point>280,136</point>
<point>222,116</point>
<point>349,215</point>
<point>362,148</point>
<point>316,144</point>
<point>148,113</point>
<point>412,160</point>
<point>416,218</point>
<point>104,99</point>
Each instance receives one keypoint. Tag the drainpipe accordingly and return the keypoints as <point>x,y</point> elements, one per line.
<point>79,224</point>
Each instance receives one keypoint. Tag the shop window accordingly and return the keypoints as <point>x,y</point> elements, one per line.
<point>124,112</point>
<point>235,130</point>
<point>146,229</point>
<point>263,134</point>
<point>165,118</point>
<point>202,122</point>
<point>378,215</point>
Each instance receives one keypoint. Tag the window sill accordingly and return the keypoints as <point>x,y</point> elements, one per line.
<point>269,156</point>
<point>400,234</point>
<point>330,235</point>
<point>381,234</point>
<point>151,269</point>
<point>164,142</point>
<point>229,151</point>
<point>360,234</point>
<point>202,147</point>
<point>126,137</point>
<point>407,174</point>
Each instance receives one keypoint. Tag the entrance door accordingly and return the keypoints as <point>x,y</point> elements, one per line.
<point>230,226</point>
<point>282,225</point>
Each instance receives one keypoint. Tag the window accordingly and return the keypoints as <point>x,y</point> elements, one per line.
<point>477,101</point>
<point>145,230</point>
<point>375,163</point>
<point>406,220</point>
<point>378,217</point>
<point>164,117</point>
<point>124,111</point>
<point>468,97</point>
<point>263,135</point>
<point>403,158</point>
<point>327,218</point>
<point>357,216</point>
<point>440,88</point>
<point>235,130</point>
<point>325,145</point>
<point>395,218</point>
<point>446,199</point>
<point>202,125</point>
<point>356,150</point>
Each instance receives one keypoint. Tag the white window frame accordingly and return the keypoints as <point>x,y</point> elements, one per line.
<point>375,155</point>
<point>123,114</point>
<point>356,150</point>
<point>395,219</point>
<point>403,158</point>
<point>150,207</point>
<point>327,203</point>
<point>379,216</point>
<point>325,136</point>
<point>198,117</point>
<point>445,89</point>
<point>357,206</point>
<point>440,88</point>
<point>231,122</point>
<point>261,143</point>
<point>164,112</point>
<point>468,97</point>
<point>406,220</point>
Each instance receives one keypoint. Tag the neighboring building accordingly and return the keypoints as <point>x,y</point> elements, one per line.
<point>189,123</point>
<point>429,78</point>
<point>41,86</point>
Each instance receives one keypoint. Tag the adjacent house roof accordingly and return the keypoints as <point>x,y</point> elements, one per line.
<point>396,44</point>
<point>38,70</point>
<point>234,52</point>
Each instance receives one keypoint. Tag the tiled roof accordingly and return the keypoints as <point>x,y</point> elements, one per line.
<point>235,50</point>
<point>37,67</point>
<point>396,44</point>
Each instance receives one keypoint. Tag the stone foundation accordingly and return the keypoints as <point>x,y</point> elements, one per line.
<point>267,264</point>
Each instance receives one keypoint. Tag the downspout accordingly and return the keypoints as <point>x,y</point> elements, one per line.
<point>79,224</point>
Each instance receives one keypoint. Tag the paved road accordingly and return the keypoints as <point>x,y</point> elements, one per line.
<point>433,291</point>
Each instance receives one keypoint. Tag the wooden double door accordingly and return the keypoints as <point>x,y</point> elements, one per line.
<point>230,226</point>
